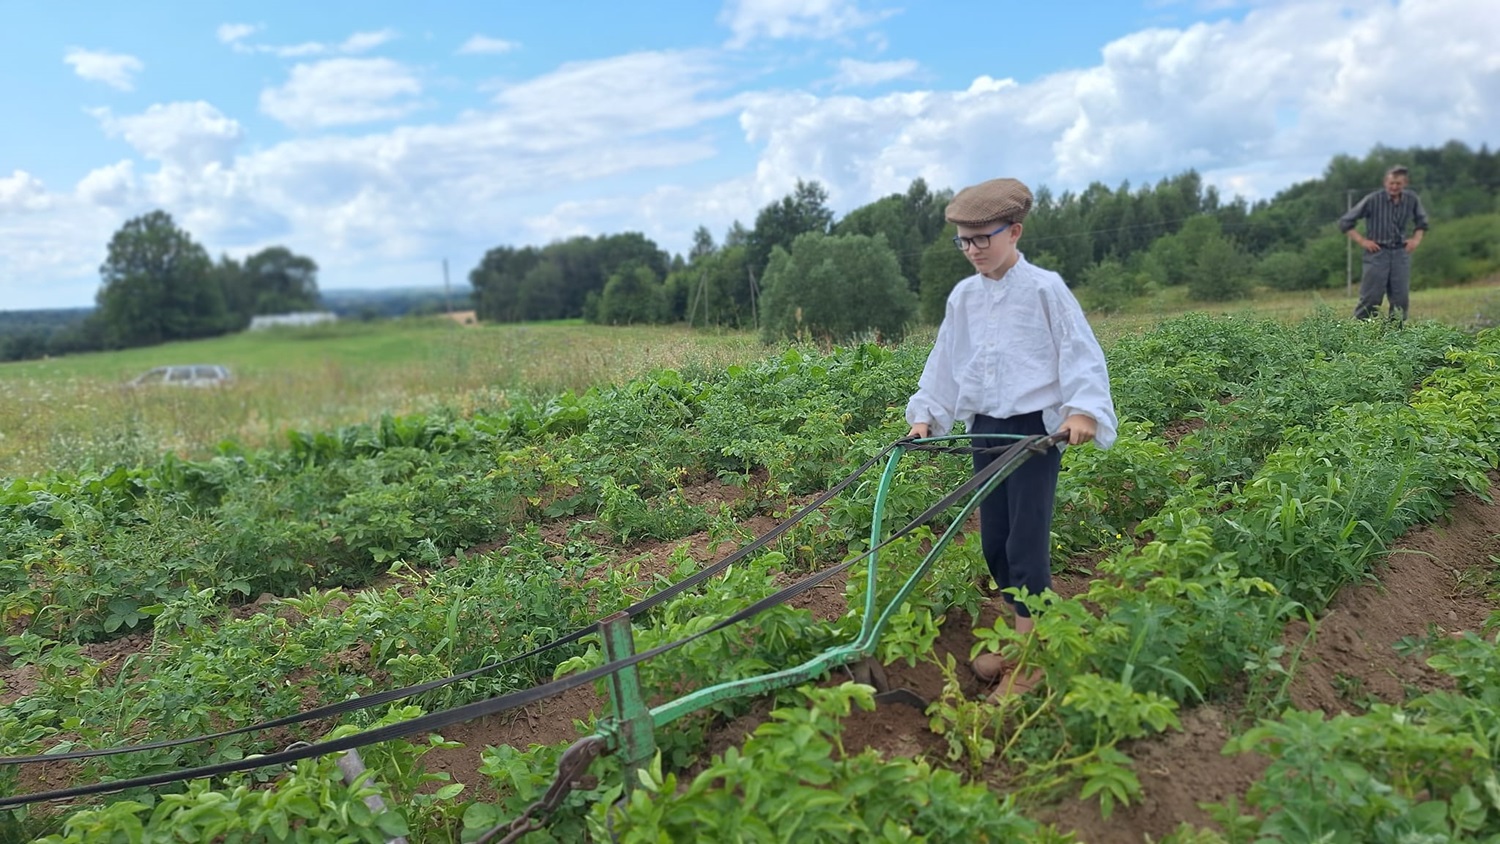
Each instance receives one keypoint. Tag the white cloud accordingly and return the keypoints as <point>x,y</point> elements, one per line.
<point>340,92</point>
<point>363,42</point>
<point>485,45</point>
<point>186,135</point>
<point>116,70</point>
<point>645,141</point>
<point>853,73</point>
<point>1288,84</point>
<point>594,101</point>
<point>233,33</point>
<point>21,191</point>
<point>111,186</point>
<point>777,19</point>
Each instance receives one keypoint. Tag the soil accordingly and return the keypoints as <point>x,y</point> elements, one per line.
<point>1434,581</point>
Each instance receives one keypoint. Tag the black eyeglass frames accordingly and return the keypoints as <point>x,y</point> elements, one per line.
<point>978,241</point>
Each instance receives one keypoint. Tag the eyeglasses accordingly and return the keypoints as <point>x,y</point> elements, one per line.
<point>978,241</point>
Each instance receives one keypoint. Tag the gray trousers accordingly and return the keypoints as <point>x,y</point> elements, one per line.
<point>1387,273</point>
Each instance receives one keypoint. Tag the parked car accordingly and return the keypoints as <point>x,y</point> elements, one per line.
<point>193,375</point>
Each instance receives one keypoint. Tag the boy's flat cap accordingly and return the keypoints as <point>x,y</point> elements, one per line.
<point>995,201</point>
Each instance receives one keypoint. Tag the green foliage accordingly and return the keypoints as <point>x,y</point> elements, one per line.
<point>1287,270</point>
<point>1317,456</point>
<point>1457,251</point>
<point>942,268</point>
<point>909,222</point>
<point>1218,271</point>
<point>834,289</point>
<point>1109,286</point>
<point>803,211</point>
<point>793,780</point>
<point>514,285</point>
<point>632,295</point>
<point>274,280</point>
<point>157,286</point>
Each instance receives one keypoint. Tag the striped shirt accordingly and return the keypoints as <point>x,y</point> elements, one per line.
<point>1385,221</point>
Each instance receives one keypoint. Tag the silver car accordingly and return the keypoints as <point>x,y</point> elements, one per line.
<point>193,375</point>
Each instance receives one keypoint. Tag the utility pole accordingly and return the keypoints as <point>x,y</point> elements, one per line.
<point>754,304</point>
<point>447,294</point>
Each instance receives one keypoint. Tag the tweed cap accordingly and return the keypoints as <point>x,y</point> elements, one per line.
<point>995,201</point>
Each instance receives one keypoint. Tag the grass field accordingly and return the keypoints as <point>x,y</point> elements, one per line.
<point>70,412</point>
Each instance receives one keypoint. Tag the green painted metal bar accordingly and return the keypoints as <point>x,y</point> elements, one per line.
<point>864,644</point>
<point>631,732</point>
<point>877,520</point>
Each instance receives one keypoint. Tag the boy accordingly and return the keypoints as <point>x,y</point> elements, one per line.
<point>1014,355</point>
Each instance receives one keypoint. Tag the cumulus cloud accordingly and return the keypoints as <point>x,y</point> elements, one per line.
<point>339,92</point>
<point>111,186</point>
<point>1289,83</point>
<point>21,191</point>
<point>117,70</point>
<point>186,135</point>
<point>1254,104</point>
<point>485,45</point>
<point>749,20</point>
<point>853,73</point>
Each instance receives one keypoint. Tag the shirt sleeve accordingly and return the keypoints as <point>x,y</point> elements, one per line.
<point>1352,216</point>
<point>1082,374</point>
<point>1420,214</point>
<point>937,390</point>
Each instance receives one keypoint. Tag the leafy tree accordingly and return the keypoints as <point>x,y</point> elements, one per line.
<point>737,235</point>
<point>804,210</point>
<point>158,286</point>
<point>834,288</point>
<point>909,221</point>
<point>1218,272</point>
<point>943,267</point>
<point>632,296</point>
<point>1287,270</point>
<point>703,244</point>
<point>554,282</point>
<point>281,281</point>
<point>1109,286</point>
<point>720,294</point>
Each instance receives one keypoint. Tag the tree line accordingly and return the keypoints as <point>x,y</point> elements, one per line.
<point>159,285</point>
<point>800,271</point>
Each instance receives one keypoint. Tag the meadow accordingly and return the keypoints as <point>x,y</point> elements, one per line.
<point>78,411</point>
<point>1266,464</point>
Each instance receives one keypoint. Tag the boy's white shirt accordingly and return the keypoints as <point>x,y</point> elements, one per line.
<point>1011,346</point>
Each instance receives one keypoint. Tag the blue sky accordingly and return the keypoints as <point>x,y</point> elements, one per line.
<point>380,138</point>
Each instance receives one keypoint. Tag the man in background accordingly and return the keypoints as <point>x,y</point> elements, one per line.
<point>1387,250</point>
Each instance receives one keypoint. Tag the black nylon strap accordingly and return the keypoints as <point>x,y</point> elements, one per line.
<point>491,706</point>
<point>390,696</point>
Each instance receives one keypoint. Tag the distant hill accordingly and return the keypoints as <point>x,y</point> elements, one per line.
<point>15,322</point>
<point>395,301</point>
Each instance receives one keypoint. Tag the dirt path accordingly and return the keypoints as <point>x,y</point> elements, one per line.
<point>1435,575</point>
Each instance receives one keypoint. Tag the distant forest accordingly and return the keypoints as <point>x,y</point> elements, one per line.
<point>800,271</point>
<point>31,334</point>
<point>1109,243</point>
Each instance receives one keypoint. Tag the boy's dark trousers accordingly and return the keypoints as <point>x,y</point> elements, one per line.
<point>1015,519</point>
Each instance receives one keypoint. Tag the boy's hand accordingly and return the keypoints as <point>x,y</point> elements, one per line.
<point>918,431</point>
<point>1080,427</point>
